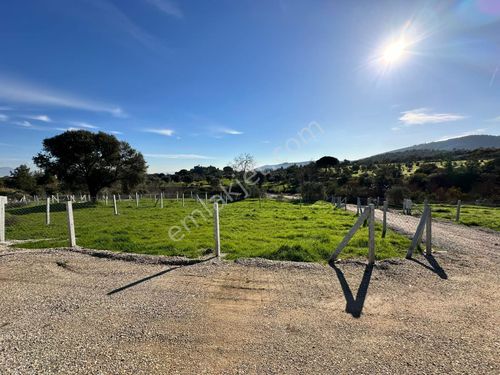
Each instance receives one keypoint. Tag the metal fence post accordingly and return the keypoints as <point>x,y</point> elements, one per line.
<point>459,204</point>
<point>371,234</point>
<point>47,212</point>
<point>71,224</point>
<point>3,202</point>
<point>216,229</point>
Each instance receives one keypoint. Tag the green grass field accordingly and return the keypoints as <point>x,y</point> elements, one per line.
<point>488,217</point>
<point>273,230</point>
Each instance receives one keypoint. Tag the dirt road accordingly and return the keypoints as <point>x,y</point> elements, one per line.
<point>65,312</point>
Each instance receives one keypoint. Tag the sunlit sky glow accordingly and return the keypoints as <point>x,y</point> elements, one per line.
<point>197,82</point>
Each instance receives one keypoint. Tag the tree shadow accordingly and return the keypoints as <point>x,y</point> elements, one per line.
<point>354,306</point>
<point>137,282</point>
<point>42,208</point>
<point>433,266</point>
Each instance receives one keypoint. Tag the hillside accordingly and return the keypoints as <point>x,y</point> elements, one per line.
<point>470,142</point>
<point>469,147</point>
<point>272,167</point>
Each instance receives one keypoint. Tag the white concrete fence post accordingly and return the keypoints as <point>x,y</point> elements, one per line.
<point>71,224</point>
<point>3,202</point>
<point>371,234</point>
<point>115,207</point>
<point>428,231</point>
<point>47,213</point>
<point>137,200</point>
<point>459,204</point>
<point>182,199</point>
<point>216,230</point>
<point>161,200</point>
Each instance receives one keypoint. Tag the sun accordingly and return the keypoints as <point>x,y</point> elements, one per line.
<point>394,51</point>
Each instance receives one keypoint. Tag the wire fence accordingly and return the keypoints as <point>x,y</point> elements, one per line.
<point>176,225</point>
<point>183,224</point>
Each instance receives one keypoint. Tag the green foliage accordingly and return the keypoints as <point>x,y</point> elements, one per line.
<point>92,160</point>
<point>269,229</point>
<point>313,191</point>
<point>470,215</point>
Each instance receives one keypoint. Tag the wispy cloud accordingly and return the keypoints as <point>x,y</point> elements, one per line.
<point>421,116</point>
<point>495,119</point>
<point>493,76</point>
<point>24,123</point>
<point>23,92</point>
<point>168,7</point>
<point>115,132</point>
<point>167,132</point>
<point>179,156</point>
<point>3,117</point>
<point>230,131</point>
<point>43,118</point>
<point>116,18</point>
<point>464,134</point>
<point>85,125</point>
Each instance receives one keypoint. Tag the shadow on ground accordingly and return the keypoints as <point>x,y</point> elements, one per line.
<point>140,281</point>
<point>354,306</point>
<point>432,266</point>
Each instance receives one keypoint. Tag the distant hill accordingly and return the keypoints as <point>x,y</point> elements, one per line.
<point>482,146</point>
<point>5,171</point>
<point>470,142</point>
<point>272,167</point>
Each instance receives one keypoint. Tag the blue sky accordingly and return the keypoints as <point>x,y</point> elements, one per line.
<point>198,82</point>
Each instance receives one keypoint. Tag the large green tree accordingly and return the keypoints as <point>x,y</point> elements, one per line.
<point>23,179</point>
<point>92,160</point>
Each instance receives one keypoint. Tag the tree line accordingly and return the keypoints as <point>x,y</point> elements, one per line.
<point>82,161</point>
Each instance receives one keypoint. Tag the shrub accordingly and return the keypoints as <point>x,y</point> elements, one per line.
<point>313,191</point>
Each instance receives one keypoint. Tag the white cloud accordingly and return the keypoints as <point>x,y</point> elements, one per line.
<point>43,118</point>
<point>22,92</point>
<point>3,117</point>
<point>421,116</point>
<point>25,124</point>
<point>115,132</point>
<point>231,131</point>
<point>179,156</point>
<point>84,125</point>
<point>464,134</point>
<point>167,132</point>
<point>495,119</point>
<point>168,7</point>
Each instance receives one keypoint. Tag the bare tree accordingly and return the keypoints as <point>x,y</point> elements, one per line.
<point>243,163</point>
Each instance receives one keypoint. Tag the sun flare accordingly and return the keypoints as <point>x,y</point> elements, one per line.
<point>394,51</point>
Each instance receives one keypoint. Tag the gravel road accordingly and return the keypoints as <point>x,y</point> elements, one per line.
<point>70,313</point>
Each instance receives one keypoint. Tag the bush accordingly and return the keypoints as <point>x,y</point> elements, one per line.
<point>313,191</point>
<point>397,194</point>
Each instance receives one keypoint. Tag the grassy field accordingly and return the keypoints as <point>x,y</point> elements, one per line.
<point>487,217</point>
<point>273,230</point>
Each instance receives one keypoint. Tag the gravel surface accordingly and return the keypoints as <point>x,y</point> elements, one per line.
<point>67,312</point>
